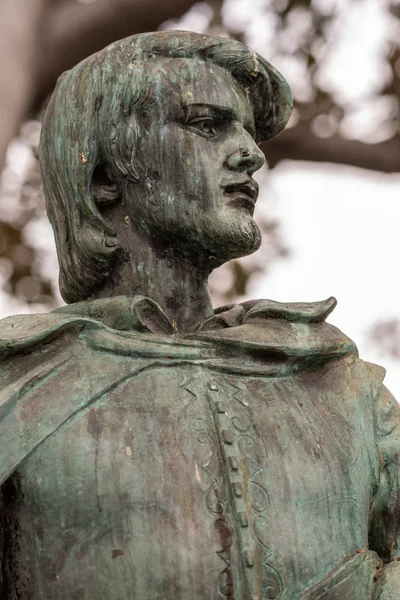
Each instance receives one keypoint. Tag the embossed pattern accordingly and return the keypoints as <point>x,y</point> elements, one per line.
<point>246,454</point>
<point>245,458</point>
<point>215,497</point>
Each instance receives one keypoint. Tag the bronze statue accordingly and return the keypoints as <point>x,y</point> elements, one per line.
<point>153,448</point>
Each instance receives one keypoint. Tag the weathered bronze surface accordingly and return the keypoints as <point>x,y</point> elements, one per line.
<point>152,447</point>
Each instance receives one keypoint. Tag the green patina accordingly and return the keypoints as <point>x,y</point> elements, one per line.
<point>151,446</point>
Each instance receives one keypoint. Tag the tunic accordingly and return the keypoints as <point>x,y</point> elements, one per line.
<point>255,459</point>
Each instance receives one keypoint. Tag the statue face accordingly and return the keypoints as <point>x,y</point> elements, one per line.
<point>197,154</point>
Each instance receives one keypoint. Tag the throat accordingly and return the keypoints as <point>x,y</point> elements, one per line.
<point>179,288</point>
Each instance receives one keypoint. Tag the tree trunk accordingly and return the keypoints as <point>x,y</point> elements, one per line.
<point>20,27</point>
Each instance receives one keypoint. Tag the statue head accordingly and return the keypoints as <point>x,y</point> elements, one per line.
<point>163,130</point>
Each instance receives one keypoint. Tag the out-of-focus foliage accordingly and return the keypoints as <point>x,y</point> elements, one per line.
<point>342,59</point>
<point>386,336</point>
<point>344,115</point>
<point>27,260</point>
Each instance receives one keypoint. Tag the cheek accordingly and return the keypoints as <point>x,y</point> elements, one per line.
<point>189,162</point>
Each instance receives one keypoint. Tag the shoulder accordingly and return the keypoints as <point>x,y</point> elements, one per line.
<point>21,333</point>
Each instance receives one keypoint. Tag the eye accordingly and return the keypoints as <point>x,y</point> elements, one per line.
<point>206,126</point>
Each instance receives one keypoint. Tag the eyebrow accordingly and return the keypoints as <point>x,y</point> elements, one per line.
<point>217,110</point>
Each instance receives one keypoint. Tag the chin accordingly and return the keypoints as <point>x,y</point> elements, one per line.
<point>238,237</point>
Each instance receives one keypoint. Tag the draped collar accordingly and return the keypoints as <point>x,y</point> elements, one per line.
<point>140,313</point>
<point>257,331</point>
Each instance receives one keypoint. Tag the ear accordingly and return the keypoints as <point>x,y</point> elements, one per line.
<point>105,190</point>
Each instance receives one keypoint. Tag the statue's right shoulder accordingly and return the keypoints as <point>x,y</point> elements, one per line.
<point>38,364</point>
<point>22,333</point>
<point>54,365</point>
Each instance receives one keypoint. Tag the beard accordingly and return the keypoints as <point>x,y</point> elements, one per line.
<point>233,236</point>
<point>217,237</point>
<point>199,233</point>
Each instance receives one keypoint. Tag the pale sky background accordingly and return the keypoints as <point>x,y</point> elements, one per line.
<point>342,228</point>
<point>341,224</point>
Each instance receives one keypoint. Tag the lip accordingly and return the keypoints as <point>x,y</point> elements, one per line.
<point>243,189</point>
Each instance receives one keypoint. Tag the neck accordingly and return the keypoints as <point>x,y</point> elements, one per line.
<point>176,284</point>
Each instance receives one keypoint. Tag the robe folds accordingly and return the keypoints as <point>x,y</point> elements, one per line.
<point>256,458</point>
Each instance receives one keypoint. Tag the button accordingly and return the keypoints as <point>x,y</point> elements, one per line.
<point>213,387</point>
<point>243,519</point>
<point>233,463</point>
<point>237,489</point>
<point>220,407</point>
<point>227,436</point>
<point>248,558</point>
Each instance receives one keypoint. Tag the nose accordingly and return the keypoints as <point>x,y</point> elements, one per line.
<point>246,157</point>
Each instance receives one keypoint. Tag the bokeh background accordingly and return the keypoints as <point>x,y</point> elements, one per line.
<point>330,194</point>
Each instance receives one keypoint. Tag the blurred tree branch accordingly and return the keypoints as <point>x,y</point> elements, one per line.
<point>300,143</point>
<point>20,28</point>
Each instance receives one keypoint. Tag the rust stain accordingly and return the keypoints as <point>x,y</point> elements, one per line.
<point>225,579</point>
<point>115,553</point>
<point>94,425</point>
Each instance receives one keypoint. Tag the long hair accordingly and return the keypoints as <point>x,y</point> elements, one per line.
<point>90,121</point>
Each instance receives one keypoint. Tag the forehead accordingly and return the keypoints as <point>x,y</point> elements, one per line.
<point>180,82</point>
